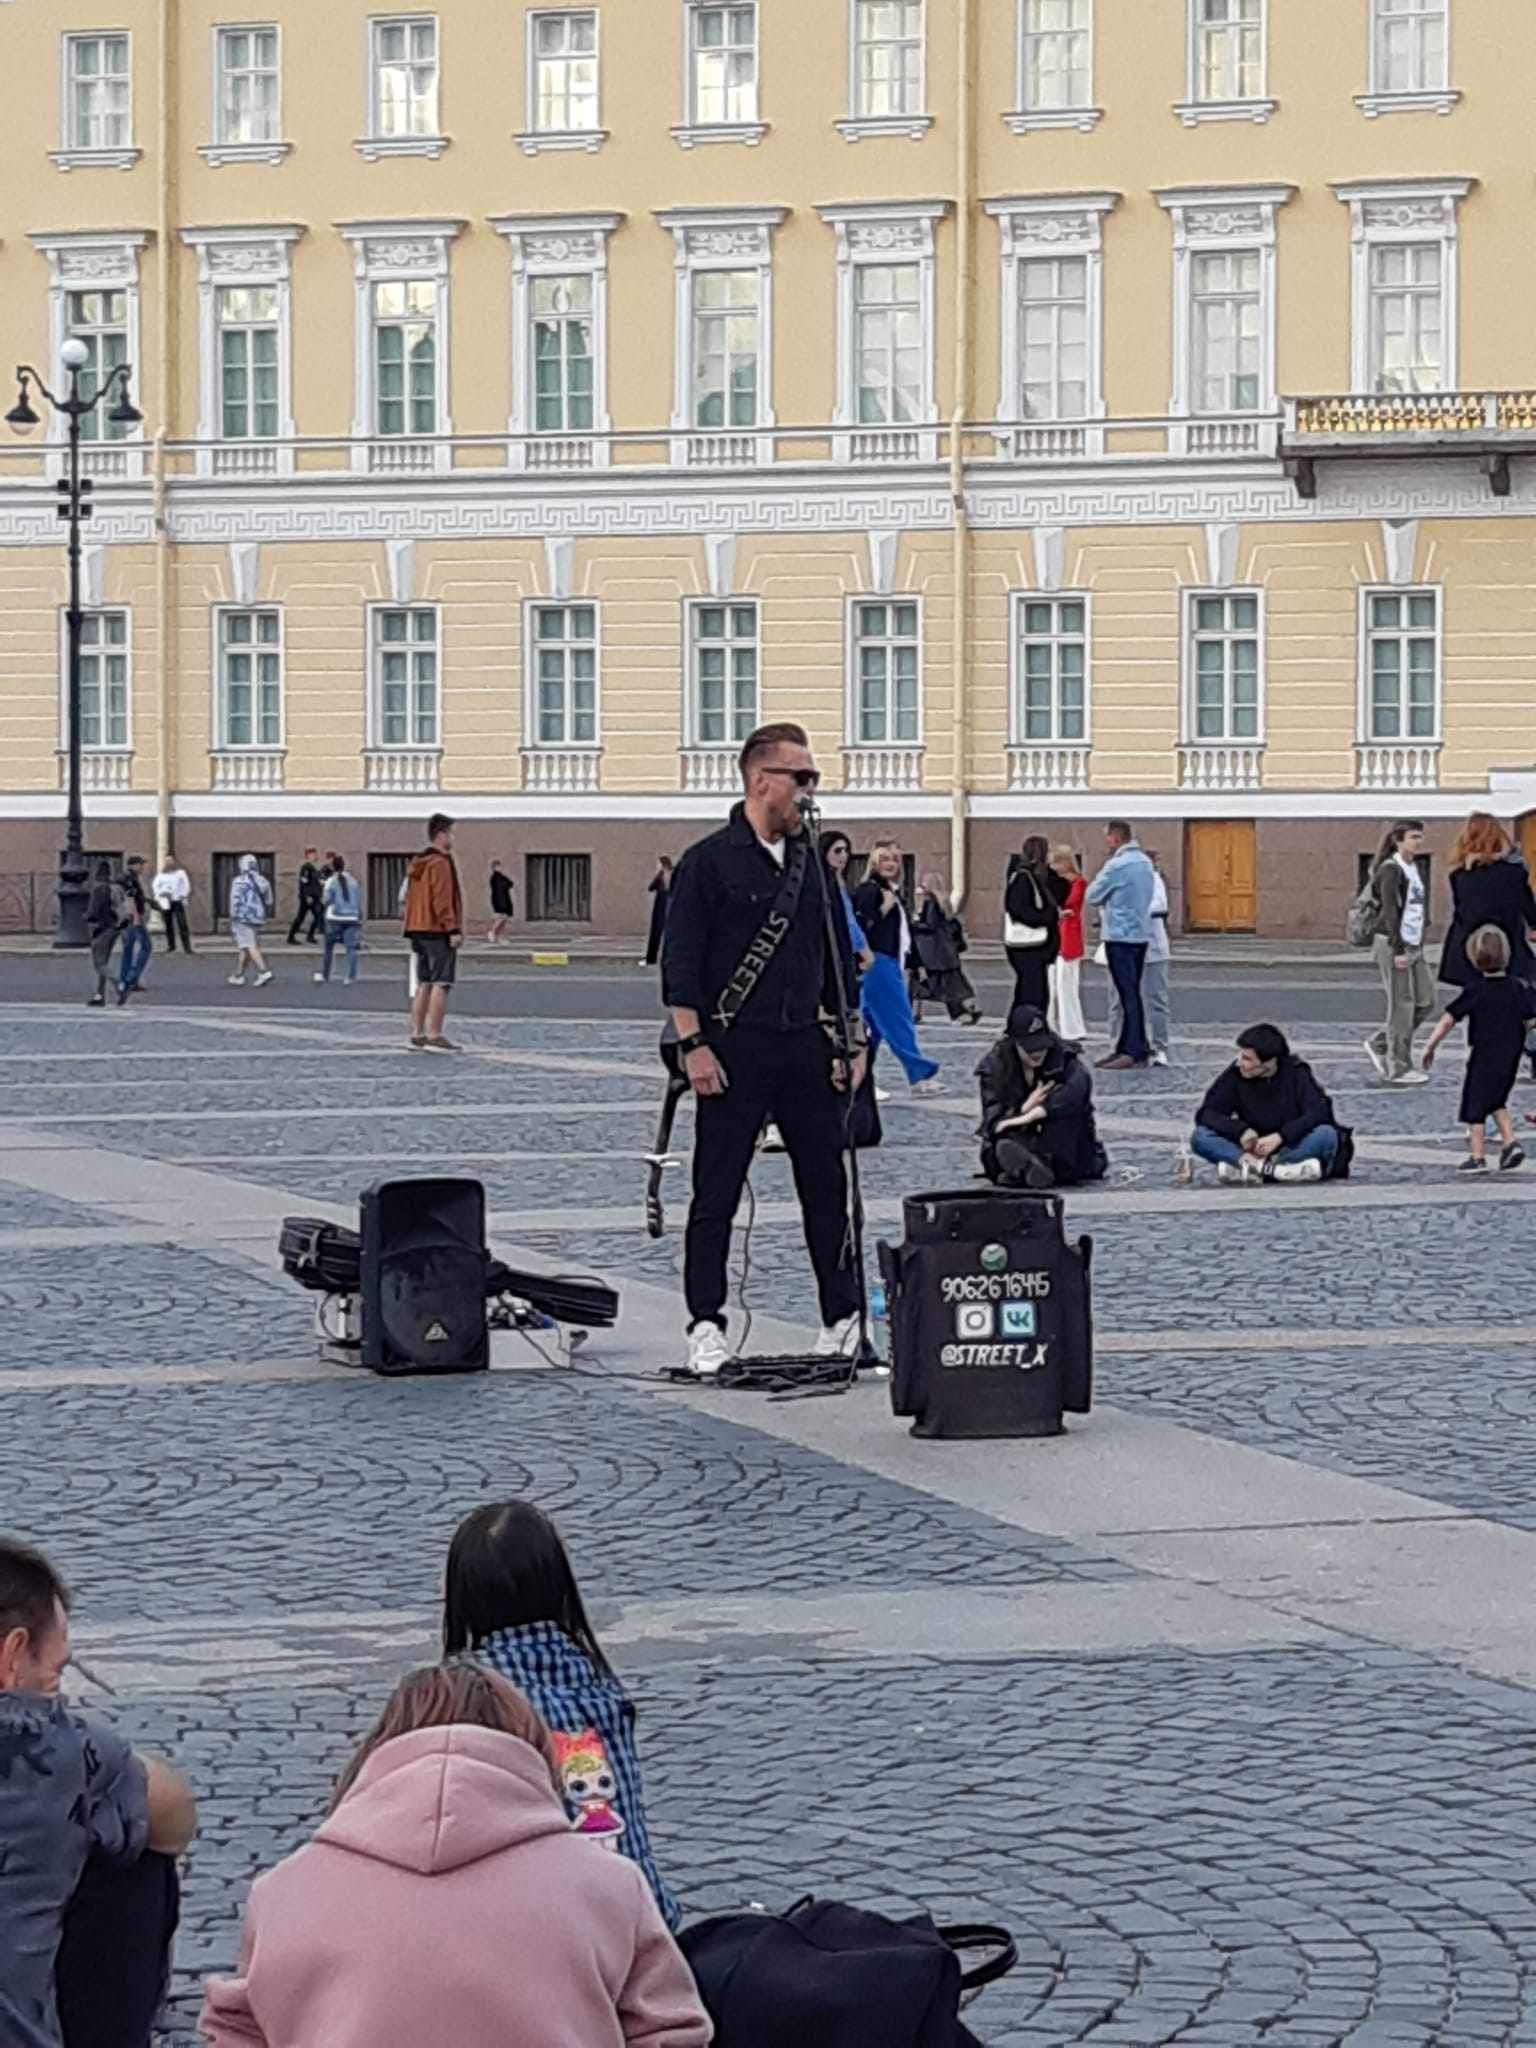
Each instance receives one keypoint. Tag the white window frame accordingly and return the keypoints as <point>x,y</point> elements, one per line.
<point>693,738</point>
<point>376,741</point>
<point>890,232</point>
<point>219,707</point>
<point>123,747</point>
<point>374,145</point>
<point>1370,593</point>
<point>691,131</point>
<point>1028,119</point>
<point>708,238</point>
<point>1424,98</point>
<point>571,601</point>
<point>396,251</point>
<point>75,156</point>
<point>557,245</point>
<point>1193,109</point>
<point>88,260</point>
<point>1221,220</point>
<point>1017,726</point>
<point>859,125</point>
<point>222,150</point>
<point>230,258</point>
<point>853,640</point>
<point>1394,212</point>
<point>1189,668</point>
<point>1031,230</point>
<point>531,138</point>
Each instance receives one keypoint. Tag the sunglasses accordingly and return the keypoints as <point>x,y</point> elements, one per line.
<point>802,778</point>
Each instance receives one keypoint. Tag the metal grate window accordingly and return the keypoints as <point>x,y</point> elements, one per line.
<point>386,883</point>
<point>558,888</point>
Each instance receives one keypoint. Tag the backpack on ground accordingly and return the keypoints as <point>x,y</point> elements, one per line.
<point>1364,915</point>
<point>839,1977</point>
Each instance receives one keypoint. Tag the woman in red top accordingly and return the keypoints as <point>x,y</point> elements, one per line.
<point>1066,1017</point>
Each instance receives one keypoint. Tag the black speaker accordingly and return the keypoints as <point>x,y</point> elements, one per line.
<point>423,1272</point>
<point>991,1314</point>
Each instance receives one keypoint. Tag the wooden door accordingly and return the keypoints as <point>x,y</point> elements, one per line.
<point>1525,833</point>
<point>1221,875</point>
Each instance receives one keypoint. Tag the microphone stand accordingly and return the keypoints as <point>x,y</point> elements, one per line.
<point>842,1019</point>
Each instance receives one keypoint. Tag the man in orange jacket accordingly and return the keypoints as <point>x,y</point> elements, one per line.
<point>434,924</point>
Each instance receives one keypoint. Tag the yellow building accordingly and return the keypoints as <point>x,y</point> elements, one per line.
<point>1066,408</point>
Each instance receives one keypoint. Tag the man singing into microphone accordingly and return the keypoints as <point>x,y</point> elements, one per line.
<point>753,983</point>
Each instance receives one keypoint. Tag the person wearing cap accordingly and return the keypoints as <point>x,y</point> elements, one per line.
<point>1037,1122</point>
<point>137,945</point>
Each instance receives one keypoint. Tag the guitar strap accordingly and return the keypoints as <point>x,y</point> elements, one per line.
<point>758,958</point>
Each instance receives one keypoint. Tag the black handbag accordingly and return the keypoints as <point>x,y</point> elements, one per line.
<point>826,1975</point>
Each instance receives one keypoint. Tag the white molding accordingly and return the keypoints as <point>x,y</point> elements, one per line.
<point>874,127</point>
<point>882,561</point>
<point>1045,120</point>
<point>693,136</point>
<point>1058,224</point>
<point>1234,219</point>
<point>860,127</point>
<point>891,231</point>
<point>1192,109</point>
<point>529,742</point>
<point>1390,212</point>
<point>1053,595</point>
<point>220,155</point>
<point>70,156</point>
<point>556,245</point>
<point>559,560</point>
<point>1221,540</point>
<point>1399,549</point>
<point>1195,112</point>
<point>398,249</point>
<point>1374,104</point>
<point>690,132</point>
<point>244,574</point>
<point>94,159</point>
<point>706,238</point>
<point>400,567</point>
<point>1048,544</point>
<point>547,141</point>
<point>228,256</point>
<point>720,564</point>
<point>1029,120</point>
<point>93,576</point>
<point>373,146</point>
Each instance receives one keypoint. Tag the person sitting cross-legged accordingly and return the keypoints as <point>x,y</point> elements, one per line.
<point>1037,1124</point>
<point>1266,1117</point>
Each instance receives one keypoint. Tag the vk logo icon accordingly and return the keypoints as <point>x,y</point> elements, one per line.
<point>1018,1319</point>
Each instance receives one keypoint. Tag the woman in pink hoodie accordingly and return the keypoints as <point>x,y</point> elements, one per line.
<point>446,1899</point>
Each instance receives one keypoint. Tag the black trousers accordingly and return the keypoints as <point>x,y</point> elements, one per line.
<point>115,1956</point>
<point>312,908</point>
<point>785,1076</point>
<point>1125,962</point>
<point>1031,976</point>
<point>176,928</point>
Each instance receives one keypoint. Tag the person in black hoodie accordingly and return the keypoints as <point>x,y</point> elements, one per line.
<point>1037,1124</point>
<point>311,900</point>
<point>1266,1117</point>
<point>106,913</point>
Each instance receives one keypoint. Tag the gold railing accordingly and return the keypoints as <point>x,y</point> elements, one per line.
<point>1413,412</point>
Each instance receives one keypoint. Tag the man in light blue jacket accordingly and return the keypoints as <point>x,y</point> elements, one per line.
<point>1122,892</point>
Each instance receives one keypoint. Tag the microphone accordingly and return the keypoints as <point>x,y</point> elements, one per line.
<point>805,804</point>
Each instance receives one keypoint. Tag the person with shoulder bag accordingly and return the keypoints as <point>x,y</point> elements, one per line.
<point>107,915</point>
<point>343,904</point>
<point>250,905</point>
<point>1031,925</point>
<point>1398,944</point>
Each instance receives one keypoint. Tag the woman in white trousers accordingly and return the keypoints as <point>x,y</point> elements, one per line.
<point>1066,1014</point>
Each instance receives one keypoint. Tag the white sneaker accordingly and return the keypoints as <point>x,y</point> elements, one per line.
<point>1378,1060</point>
<point>1300,1169</point>
<point>1231,1176</point>
<point>772,1139</point>
<point>707,1351</point>
<point>237,981</point>
<point>262,979</point>
<point>932,1086</point>
<point>1411,1079</point>
<point>1158,1059</point>
<point>317,975</point>
<point>840,1341</point>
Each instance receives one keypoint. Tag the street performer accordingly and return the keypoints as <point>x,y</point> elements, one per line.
<point>756,975</point>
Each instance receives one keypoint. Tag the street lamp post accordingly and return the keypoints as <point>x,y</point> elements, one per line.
<point>74,505</point>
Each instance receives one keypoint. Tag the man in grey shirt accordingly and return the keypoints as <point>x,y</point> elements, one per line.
<point>71,1790</point>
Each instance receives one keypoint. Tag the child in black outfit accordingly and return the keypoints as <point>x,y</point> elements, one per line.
<point>1497,1009</point>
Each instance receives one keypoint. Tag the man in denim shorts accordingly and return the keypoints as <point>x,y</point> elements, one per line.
<point>434,924</point>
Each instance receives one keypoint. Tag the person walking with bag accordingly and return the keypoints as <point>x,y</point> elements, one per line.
<point>660,890</point>
<point>1031,925</point>
<point>938,940</point>
<point>1066,973</point>
<point>1123,891</point>
<point>311,906</point>
<point>137,944</point>
<point>106,916</point>
<point>250,905</point>
<point>1398,944</point>
<point>883,994</point>
<point>502,903</point>
<point>343,903</point>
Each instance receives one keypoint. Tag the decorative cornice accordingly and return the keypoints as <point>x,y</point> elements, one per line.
<point>557,241</point>
<point>372,147</point>
<point>1195,112</point>
<point>94,159</point>
<point>885,227</point>
<point>1041,120</point>
<point>92,255</point>
<point>219,155</point>
<point>1372,104</point>
<point>243,255</point>
<point>691,135</point>
<point>870,127</point>
<point>1052,221</point>
<point>1223,213</point>
<point>722,234</point>
<point>399,248</point>
<point>539,141</point>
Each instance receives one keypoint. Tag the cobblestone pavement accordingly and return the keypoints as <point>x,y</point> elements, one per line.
<point>1295,1834</point>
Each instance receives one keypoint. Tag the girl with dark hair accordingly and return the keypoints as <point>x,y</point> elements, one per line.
<point>1031,925</point>
<point>1266,1117</point>
<point>106,913</point>
<point>511,1600</point>
<point>1398,944</point>
<point>446,1897</point>
<point>837,852</point>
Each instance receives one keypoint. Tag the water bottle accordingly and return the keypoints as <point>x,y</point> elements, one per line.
<point>1184,1166</point>
<point>877,1312</point>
